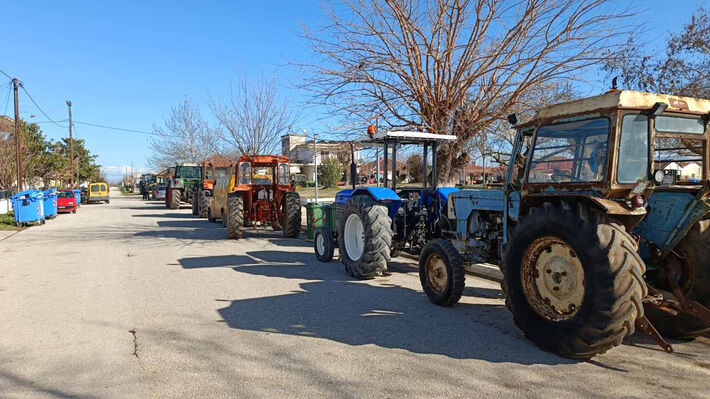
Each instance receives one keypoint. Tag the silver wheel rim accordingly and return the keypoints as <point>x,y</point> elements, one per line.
<point>320,244</point>
<point>354,233</point>
<point>553,279</point>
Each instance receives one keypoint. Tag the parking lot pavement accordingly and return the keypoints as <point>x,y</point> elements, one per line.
<point>134,300</point>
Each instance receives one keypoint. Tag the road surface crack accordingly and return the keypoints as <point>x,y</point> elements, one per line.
<point>135,343</point>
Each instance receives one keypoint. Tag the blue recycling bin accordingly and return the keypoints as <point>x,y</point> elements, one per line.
<point>50,203</point>
<point>77,196</point>
<point>28,206</point>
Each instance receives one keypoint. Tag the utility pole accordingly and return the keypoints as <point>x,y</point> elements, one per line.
<point>315,165</point>
<point>18,136</point>
<point>71,149</point>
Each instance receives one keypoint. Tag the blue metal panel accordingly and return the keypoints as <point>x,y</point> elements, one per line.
<point>386,196</point>
<point>670,215</point>
<point>466,201</point>
<point>343,196</point>
<point>443,193</point>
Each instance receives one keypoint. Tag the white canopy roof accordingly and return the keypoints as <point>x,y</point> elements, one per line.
<point>407,137</point>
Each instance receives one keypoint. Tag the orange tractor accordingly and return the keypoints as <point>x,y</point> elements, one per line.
<point>263,195</point>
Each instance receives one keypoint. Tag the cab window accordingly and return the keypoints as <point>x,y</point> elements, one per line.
<point>633,149</point>
<point>95,188</point>
<point>244,173</point>
<point>284,177</point>
<point>570,152</point>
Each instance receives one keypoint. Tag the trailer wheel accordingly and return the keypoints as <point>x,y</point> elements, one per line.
<point>202,202</point>
<point>291,209</point>
<point>573,280</point>
<point>174,198</point>
<point>323,244</point>
<point>441,273</point>
<point>235,217</point>
<point>364,237</point>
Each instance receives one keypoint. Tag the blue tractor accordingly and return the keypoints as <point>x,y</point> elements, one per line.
<point>595,230</point>
<point>375,223</point>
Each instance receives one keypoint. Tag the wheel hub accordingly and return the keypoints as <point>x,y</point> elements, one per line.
<point>354,233</point>
<point>320,244</point>
<point>436,274</point>
<point>553,279</point>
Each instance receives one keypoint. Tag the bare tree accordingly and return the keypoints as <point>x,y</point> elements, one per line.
<point>184,137</point>
<point>416,62</point>
<point>253,117</point>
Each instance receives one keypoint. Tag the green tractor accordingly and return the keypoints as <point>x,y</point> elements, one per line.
<point>181,185</point>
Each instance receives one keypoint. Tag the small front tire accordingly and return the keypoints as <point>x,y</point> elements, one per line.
<point>441,273</point>
<point>324,244</point>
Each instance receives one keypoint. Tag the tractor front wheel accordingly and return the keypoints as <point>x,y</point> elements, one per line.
<point>365,237</point>
<point>573,280</point>
<point>235,217</point>
<point>441,272</point>
<point>174,198</point>
<point>323,244</point>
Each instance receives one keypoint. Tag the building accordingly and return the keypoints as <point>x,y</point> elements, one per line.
<point>685,171</point>
<point>300,151</point>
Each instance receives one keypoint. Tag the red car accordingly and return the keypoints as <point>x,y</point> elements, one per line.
<point>66,202</point>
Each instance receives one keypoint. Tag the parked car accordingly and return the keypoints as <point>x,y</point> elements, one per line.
<point>66,201</point>
<point>159,194</point>
<point>98,192</point>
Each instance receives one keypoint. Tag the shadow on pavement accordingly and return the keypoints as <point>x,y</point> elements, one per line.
<point>352,312</point>
<point>172,215</point>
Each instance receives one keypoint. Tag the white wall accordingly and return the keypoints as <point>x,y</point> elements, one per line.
<point>5,206</point>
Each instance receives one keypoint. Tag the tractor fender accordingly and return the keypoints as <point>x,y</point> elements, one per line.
<point>628,217</point>
<point>383,195</point>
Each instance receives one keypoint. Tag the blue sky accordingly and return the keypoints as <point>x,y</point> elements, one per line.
<point>126,63</point>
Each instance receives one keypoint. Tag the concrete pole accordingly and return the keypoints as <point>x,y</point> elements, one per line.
<point>18,136</point>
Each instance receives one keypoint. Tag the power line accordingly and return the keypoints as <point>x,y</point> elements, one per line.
<point>40,108</point>
<point>7,99</point>
<point>118,128</point>
<point>8,76</point>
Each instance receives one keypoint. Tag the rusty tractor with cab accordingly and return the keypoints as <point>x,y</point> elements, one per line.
<point>595,231</point>
<point>376,223</point>
<point>181,184</point>
<point>263,195</point>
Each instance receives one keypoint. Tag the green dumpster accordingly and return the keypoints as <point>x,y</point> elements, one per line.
<point>318,215</point>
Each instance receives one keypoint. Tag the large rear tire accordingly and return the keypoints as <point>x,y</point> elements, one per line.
<point>291,209</point>
<point>174,198</point>
<point>364,237</point>
<point>441,273</point>
<point>235,217</point>
<point>573,280</point>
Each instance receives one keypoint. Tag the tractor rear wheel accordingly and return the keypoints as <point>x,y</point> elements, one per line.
<point>441,272</point>
<point>573,280</point>
<point>195,209</point>
<point>174,198</point>
<point>323,244</point>
<point>365,237</point>
<point>235,217</point>
<point>202,201</point>
<point>291,209</point>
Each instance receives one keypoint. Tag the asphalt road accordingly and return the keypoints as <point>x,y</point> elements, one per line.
<point>134,300</point>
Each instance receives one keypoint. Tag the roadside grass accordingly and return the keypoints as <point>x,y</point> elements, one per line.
<point>7,221</point>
